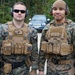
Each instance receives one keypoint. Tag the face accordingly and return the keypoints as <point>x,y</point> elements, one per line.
<point>58,13</point>
<point>19,12</point>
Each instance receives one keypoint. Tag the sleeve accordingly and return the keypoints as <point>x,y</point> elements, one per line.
<point>34,54</point>
<point>2,36</point>
<point>4,31</point>
<point>71,36</point>
<point>42,58</point>
<point>73,41</point>
<point>1,63</point>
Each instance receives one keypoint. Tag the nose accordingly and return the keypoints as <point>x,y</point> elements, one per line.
<point>57,10</point>
<point>19,12</point>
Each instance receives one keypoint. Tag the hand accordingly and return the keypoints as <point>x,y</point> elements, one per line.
<point>33,72</point>
<point>41,73</point>
<point>7,68</point>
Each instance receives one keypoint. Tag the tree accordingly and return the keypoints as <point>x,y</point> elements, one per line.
<point>71,5</point>
<point>34,7</point>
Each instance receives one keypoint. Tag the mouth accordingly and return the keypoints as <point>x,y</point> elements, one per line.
<point>57,15</point>
<point>19,16</point>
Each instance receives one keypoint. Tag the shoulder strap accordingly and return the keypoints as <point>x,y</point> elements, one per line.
<point>69,21</point>
<point>10,26</point>
<point>25,28</point>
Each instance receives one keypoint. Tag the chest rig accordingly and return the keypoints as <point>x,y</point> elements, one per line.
<point>17,41</point>
<point>57,41</point>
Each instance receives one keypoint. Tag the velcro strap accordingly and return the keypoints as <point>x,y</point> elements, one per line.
<point>55,34</point>
<point>65,61</point>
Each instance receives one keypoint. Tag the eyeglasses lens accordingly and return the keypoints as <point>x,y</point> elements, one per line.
<point>22,11</point>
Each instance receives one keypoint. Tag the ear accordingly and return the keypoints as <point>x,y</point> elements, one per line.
<point>67,10</point>
<point>11,12</point>
<point>51,10</point>
<point>26,13</point>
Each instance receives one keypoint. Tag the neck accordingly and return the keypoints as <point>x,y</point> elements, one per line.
<point>60,21</point>
<point>18,24</point>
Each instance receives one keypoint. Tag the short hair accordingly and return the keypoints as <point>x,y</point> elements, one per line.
<point>17,3</point>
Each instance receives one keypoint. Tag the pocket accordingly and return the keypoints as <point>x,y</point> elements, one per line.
<point>66,49</point>
<point>6,49</point>
<point>56,48</point>
<point>28,48</point>
<point>49,48</point>
<point>17,49</point>
<point>7,68</point>
<point>44,46</point>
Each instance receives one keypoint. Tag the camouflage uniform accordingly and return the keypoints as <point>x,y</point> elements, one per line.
<point>1,63</point>
<point>18,62</point>
<point>53,65</point>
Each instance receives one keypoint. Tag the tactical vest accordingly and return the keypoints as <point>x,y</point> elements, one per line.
<point>57,41</point>
<point>17,41</point>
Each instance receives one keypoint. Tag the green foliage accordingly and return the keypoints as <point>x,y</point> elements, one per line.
<point>34,7</point>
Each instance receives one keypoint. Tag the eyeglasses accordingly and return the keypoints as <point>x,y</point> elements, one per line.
<point>17,11</point>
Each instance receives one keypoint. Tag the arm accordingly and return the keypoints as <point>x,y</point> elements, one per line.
<point>1,62</point>
<point>41,53</point>
<point>73,41</point>
<point>3,32</point>
<point>34,54</point>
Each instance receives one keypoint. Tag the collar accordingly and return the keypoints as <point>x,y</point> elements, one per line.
<point>67,21</point>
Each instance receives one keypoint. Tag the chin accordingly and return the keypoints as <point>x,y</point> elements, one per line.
<point>58,19</point>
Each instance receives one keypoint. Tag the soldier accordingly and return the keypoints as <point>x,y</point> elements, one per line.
<point>19,44</point>
<point>57,42</point>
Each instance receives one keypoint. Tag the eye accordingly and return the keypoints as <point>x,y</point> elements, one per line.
<point>54,8</point>
<point>61,8</point>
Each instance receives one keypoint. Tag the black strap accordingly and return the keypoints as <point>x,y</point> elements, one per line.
<point>17,64</point>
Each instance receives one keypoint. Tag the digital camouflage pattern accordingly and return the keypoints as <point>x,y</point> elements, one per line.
<point>19,64</point>
<point>53,65</point>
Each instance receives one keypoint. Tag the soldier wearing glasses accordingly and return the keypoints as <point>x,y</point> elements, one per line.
<point>19,44</point>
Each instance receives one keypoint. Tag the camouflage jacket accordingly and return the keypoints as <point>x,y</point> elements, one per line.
<point>32,36</point>
<point>71,39</point>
